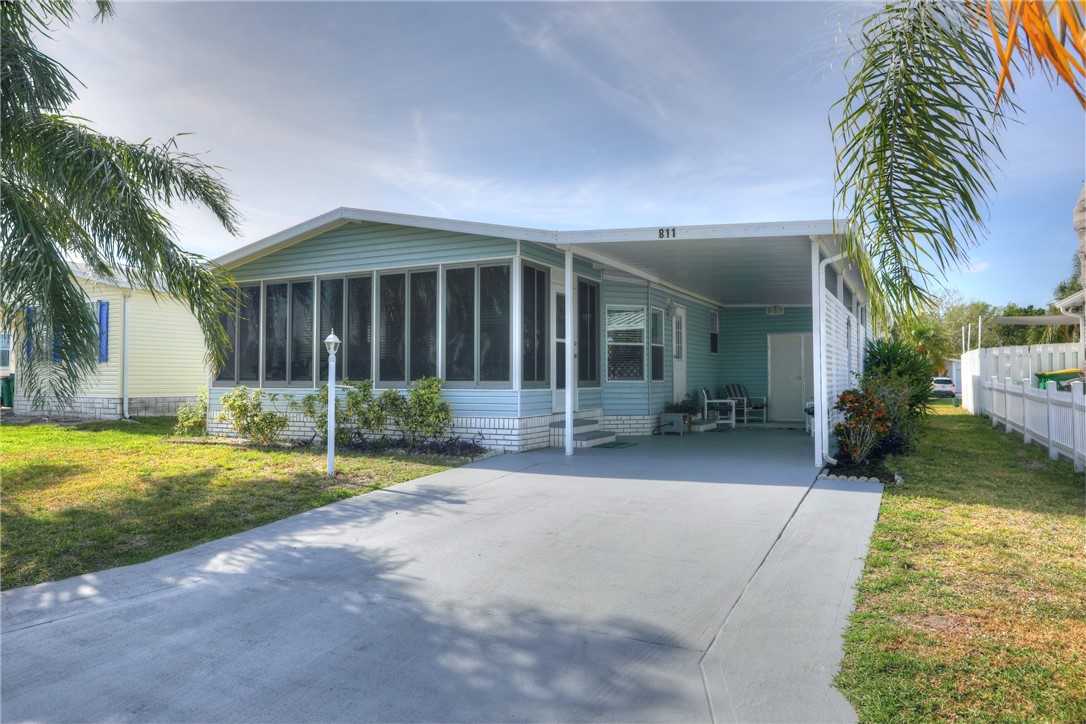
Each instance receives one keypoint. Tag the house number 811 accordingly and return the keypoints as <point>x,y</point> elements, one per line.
<point>667,233</point>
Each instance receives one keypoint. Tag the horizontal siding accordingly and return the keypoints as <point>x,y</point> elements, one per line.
<point>702,367</point>
<point>745,346</point>
<point>535,402</point>
<point>482,403</point>
<point>552,256</point>
<point>166,354</point>
<point>364,246</point>
<point>465,403</point>
<point>589,398</point>
<point>543,253</point>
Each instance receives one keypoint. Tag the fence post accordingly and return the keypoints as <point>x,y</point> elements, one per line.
<point>1053,453</point>
<point>1007,382</point>
<point>1078,422</point>
<point>1026,438</point>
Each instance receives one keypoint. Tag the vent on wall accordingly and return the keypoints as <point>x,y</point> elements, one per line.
<point>774,311</point>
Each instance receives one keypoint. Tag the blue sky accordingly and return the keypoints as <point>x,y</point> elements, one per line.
<point>548,115</point>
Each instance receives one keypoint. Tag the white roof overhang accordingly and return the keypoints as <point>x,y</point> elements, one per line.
<point>763,264</point>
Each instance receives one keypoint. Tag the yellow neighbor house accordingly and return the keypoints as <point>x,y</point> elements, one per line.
<point>151,355</point>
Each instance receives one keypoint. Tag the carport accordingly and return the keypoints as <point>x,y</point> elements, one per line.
<point>743,267</point>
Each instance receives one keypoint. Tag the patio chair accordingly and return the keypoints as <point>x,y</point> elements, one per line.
<point>746,405</point>
<point>725,408</point>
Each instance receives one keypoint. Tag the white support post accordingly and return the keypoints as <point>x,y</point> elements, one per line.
<point>441,320</point>
<point>816,331</point>
<point>571,376</point>
<point>517,309</point>
<point>980,330</point>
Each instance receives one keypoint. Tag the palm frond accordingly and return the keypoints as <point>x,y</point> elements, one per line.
<point>916,142</point>
<point>1051,33</point>
<point>69,192</point>
<point>42,304</point>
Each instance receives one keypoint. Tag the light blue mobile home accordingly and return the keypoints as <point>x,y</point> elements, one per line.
<point>527,324</point>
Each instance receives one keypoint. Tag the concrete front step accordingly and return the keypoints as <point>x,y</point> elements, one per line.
<point>580,426</point>
<point>592,439</point>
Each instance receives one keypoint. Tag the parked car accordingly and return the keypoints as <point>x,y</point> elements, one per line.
<point>943,387</point>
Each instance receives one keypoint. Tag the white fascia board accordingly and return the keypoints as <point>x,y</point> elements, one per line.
<point>344,215</point>
<point>710,231</point>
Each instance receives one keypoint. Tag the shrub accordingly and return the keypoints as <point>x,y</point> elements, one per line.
<point>356,412</point>
<point>391,410</point>
<point>315,407</point>
<point>192,416</point>
<point>427,416</point>
<point>363,410</point>
<point>894,392</point>
<point>421,416</point>
<point>867,420</point>
<point>243,409</point>
<point>896,357</point>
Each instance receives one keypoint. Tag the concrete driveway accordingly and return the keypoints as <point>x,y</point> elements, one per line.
<point>682,579</point>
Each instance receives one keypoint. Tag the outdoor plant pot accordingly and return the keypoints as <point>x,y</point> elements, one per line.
<point>673,423</point>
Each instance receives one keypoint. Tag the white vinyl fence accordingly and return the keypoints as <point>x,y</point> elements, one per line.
<point>1017,363</point>
<point>1053,419</point>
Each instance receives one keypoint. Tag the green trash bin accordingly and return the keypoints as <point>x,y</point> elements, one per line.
<point>1043,378</point>
<point>7,391</point>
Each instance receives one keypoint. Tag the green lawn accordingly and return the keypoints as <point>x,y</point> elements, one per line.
<point>972,604</point>
<point>81,499</point>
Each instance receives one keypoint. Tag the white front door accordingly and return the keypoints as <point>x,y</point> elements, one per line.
<point>791,376</point>
<point>678,353</point>
<point>558,349</point>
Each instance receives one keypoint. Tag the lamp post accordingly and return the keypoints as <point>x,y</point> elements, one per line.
<point>331,343</point>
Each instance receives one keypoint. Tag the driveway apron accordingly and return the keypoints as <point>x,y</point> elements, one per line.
<point>682,579</point>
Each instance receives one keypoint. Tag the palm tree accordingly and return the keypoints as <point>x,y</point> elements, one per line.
<point>69,193</point>
<point>919,127</point>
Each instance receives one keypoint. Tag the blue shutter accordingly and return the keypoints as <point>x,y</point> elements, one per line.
<point>103,331</point>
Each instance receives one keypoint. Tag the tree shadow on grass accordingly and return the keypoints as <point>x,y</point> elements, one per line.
<point>285,625</point>
<point>39,476</point>
<point>164,514</point>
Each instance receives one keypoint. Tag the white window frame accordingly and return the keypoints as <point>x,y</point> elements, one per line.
<point>607,329</point>
<point>653,313</point>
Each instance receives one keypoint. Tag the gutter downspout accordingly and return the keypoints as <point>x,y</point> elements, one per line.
<point>124,355</point>
<point>821,423</point>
